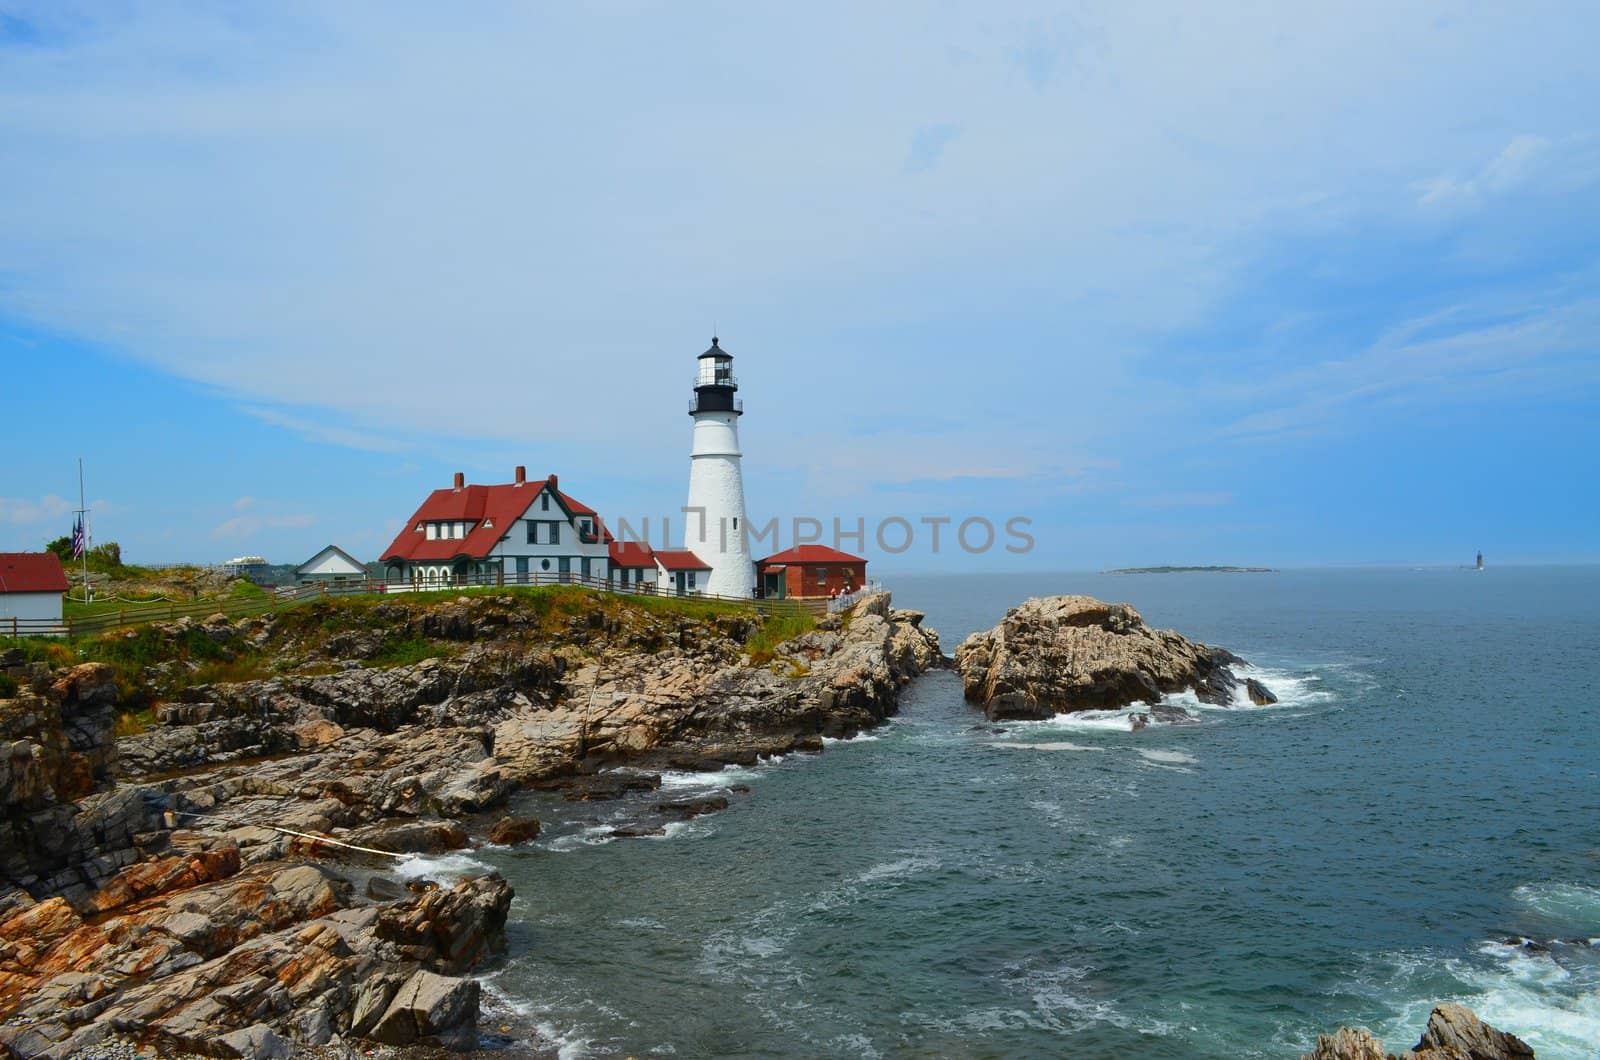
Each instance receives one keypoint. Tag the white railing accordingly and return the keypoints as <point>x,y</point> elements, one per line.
<point>848,600</point>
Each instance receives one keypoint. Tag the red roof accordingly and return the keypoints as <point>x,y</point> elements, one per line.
<point>634,555</point>
<point>810,554</point>
<point>499,506</point>
<point>31,572</point>
<point>680,559</point>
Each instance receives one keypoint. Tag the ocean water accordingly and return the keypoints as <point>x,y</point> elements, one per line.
<point>1427,789</point>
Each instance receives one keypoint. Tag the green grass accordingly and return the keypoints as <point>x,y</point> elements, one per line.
<point>134,652</point>
<point>404,651</point>
<point>75,609</point>
<point>775,629</point>
<point>8,686</point>
<point>133,722</point>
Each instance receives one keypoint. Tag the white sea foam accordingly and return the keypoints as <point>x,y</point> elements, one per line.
<point>1059,999</point>
<point>1171,758</point>
<point>446,867</point>
<point>1573,906</point>
<point>860,737</point>
<point>899,869</point>
<point>590,836</point>
<point>722,778</point>
<point>1550,997</point>
<point>1294,688</point>
<point>502,1007</point>
<point>1087,721</point>
<point>595,835</point>
<point>1053,745</point>
<point>567,1047</point>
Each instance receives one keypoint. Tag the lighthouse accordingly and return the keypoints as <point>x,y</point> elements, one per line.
<point>716,485</point>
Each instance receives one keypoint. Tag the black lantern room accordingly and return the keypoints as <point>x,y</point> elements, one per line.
<point>714,385</point>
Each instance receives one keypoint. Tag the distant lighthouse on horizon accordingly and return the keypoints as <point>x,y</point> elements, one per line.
<point>716,483</point>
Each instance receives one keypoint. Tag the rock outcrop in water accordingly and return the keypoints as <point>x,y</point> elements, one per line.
<point>1454,1032</point>
<point>1057,654</point>
<point>151,887</point>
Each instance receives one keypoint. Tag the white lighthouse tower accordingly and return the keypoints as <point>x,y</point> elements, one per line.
<point>716,484</point>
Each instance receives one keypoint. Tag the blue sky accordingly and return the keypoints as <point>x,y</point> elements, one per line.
<point>1177,283</point>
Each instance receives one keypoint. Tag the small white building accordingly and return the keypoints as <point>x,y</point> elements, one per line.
<point>31,584</point>
<point>683,573</point>
<point>333,564</point>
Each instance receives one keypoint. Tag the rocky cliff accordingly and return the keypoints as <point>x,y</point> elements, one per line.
<point>170,887</point>
<point>1454,1032</point>
<point>1052,655</point>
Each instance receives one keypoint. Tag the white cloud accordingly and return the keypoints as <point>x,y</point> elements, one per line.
<point>1497,350</point>
<point>23,511</point>
<point>1516,163</point>
<point>373,222</point>
<point>240,527</point>
<point>331,433</point>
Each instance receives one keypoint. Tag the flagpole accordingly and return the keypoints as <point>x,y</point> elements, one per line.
<point>83,514</point>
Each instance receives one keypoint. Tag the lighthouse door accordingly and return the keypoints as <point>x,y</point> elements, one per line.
<point>681,578</point>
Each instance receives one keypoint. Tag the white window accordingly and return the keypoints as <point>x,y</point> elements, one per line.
<point>433,531</point>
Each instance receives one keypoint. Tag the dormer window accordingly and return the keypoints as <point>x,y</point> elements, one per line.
<point>419,528</point>
<point>488,524</point>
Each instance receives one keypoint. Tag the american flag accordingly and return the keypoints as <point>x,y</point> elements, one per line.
<point>80,540</point>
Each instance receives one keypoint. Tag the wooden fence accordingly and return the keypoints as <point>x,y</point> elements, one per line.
<point>288,597</point>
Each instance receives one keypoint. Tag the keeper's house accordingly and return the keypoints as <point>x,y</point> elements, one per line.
<point>31,584</point>
<point>520,533</point>
<point>809,570</point>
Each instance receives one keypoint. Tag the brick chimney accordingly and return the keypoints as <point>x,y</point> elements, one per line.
<point>522,474</point>
<point>553,482</point>
<point>461,480</point>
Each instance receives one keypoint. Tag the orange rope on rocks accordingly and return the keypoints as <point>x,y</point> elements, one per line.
<point>300,835</point>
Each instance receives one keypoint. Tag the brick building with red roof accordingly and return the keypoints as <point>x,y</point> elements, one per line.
<point>810,570</point>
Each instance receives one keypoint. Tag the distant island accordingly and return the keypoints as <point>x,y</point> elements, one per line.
<point>1191,570</point>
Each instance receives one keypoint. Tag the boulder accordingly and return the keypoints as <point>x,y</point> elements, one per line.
<point>509,831</point>
<point>1347,1043</point>
<point>450,930</point>
<point>1454,1032</point>
<point>637,831</point>
<point>1058,654</point>
<point>431,1008</point>
<point>1259,694</point>
<point>410,837</point>
<point>686,808</point>
<point>256,1042</point>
